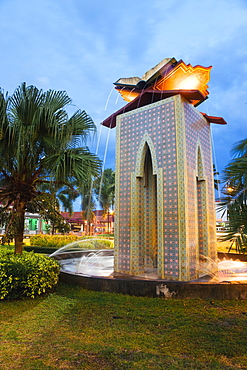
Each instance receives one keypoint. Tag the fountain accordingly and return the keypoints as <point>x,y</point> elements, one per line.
<point>81,257</point>
<point>164,209</point>
<point>94,269</point>
<point>75,258</point>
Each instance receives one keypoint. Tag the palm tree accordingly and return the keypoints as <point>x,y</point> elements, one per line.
<point>235,202</point>
<point>66,197</point>
<point>216,180</point>
<point>104,188</point>
<point>39,144</point>
<point>87,202</point>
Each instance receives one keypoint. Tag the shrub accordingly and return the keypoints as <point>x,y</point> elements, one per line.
<point>108,236</point>
<point>26,275</point>
<point>52,241</point>
<point>38,249</point>
<point>94,243</point>
<point>103,244</point>
<point>58,241</point>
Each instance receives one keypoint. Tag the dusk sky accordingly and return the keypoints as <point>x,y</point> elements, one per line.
<point>84,46</point>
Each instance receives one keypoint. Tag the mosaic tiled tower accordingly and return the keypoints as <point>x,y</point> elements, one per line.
<point>165,213</point>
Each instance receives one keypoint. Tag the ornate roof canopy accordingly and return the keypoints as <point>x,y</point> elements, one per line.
<point>169,77</point>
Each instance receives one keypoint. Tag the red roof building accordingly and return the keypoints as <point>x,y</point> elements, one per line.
<point>100,223</point>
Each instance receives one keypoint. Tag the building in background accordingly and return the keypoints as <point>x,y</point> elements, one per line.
<point>101,224</point>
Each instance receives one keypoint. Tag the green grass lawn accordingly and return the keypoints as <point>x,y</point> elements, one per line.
<point>78,329</point>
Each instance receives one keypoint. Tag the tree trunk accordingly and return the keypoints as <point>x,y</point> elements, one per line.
<point>20,229</point>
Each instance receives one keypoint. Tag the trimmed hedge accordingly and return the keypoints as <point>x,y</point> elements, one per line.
<point>26,275</point>
<point>52,241</point>
<point>49,243</point>
<point>94,243</point>
<point>37,249</point>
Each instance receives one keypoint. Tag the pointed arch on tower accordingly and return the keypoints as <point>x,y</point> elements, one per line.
<point>145,143</point>
<point>147,211</point>
<point>200,170</point>
<point>202,209</point>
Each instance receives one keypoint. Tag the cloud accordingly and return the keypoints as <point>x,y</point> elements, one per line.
<point>44,80</point>
<point>84,46</point>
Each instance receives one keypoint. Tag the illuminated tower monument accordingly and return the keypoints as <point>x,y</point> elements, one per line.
<point>165,212</point>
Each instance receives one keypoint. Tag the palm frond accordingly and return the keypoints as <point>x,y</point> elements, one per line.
<point>240,148</point>
<point>74,163</point>
<point>56,100</point>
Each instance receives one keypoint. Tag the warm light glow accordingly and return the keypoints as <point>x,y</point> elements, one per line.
<point>186,77</point>
<point>128,95</point>
<point>189,83</point>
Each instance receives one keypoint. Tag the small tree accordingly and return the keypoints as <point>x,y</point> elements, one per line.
<point>235,201</point>
<point>104,188</point>
<point>39,143</point>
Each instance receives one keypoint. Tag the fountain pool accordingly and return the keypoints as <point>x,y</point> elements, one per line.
<point>90,263</point>
<point>92,268</point>
<point>85,257</point>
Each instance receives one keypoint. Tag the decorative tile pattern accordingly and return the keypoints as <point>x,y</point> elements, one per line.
<point>164,193</point>
<point>199,165</point>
